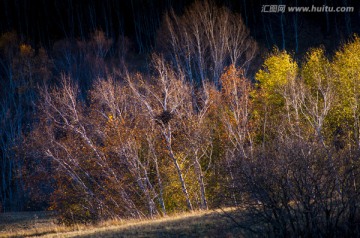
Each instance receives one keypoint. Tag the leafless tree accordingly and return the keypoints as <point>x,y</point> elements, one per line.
<point>165,103</point>
<point>205,39</point>
<point>74,143</point>
<point>291,191</point>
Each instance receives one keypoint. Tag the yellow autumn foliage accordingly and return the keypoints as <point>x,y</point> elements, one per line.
<point>278,68</point>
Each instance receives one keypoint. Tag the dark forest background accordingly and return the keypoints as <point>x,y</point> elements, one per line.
<point>44,22</point>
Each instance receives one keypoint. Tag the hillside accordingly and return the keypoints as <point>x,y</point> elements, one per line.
<point>215,223</point>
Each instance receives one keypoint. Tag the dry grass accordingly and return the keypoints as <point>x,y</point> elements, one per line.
<point>215,223</point>
<point>25,224</point>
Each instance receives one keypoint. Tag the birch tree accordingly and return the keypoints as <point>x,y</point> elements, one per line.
<point>166,102</point>
<point>205,39</point>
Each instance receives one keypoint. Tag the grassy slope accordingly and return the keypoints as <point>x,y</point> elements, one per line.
<point>196,224</point>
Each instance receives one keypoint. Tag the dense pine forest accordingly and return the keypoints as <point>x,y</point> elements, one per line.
<point>114,110</point>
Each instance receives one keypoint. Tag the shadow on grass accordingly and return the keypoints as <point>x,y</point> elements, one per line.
<point>215,224</point>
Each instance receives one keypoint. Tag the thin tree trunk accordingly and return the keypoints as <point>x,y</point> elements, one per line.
<point>201,183</point>
<point>178,169</point>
